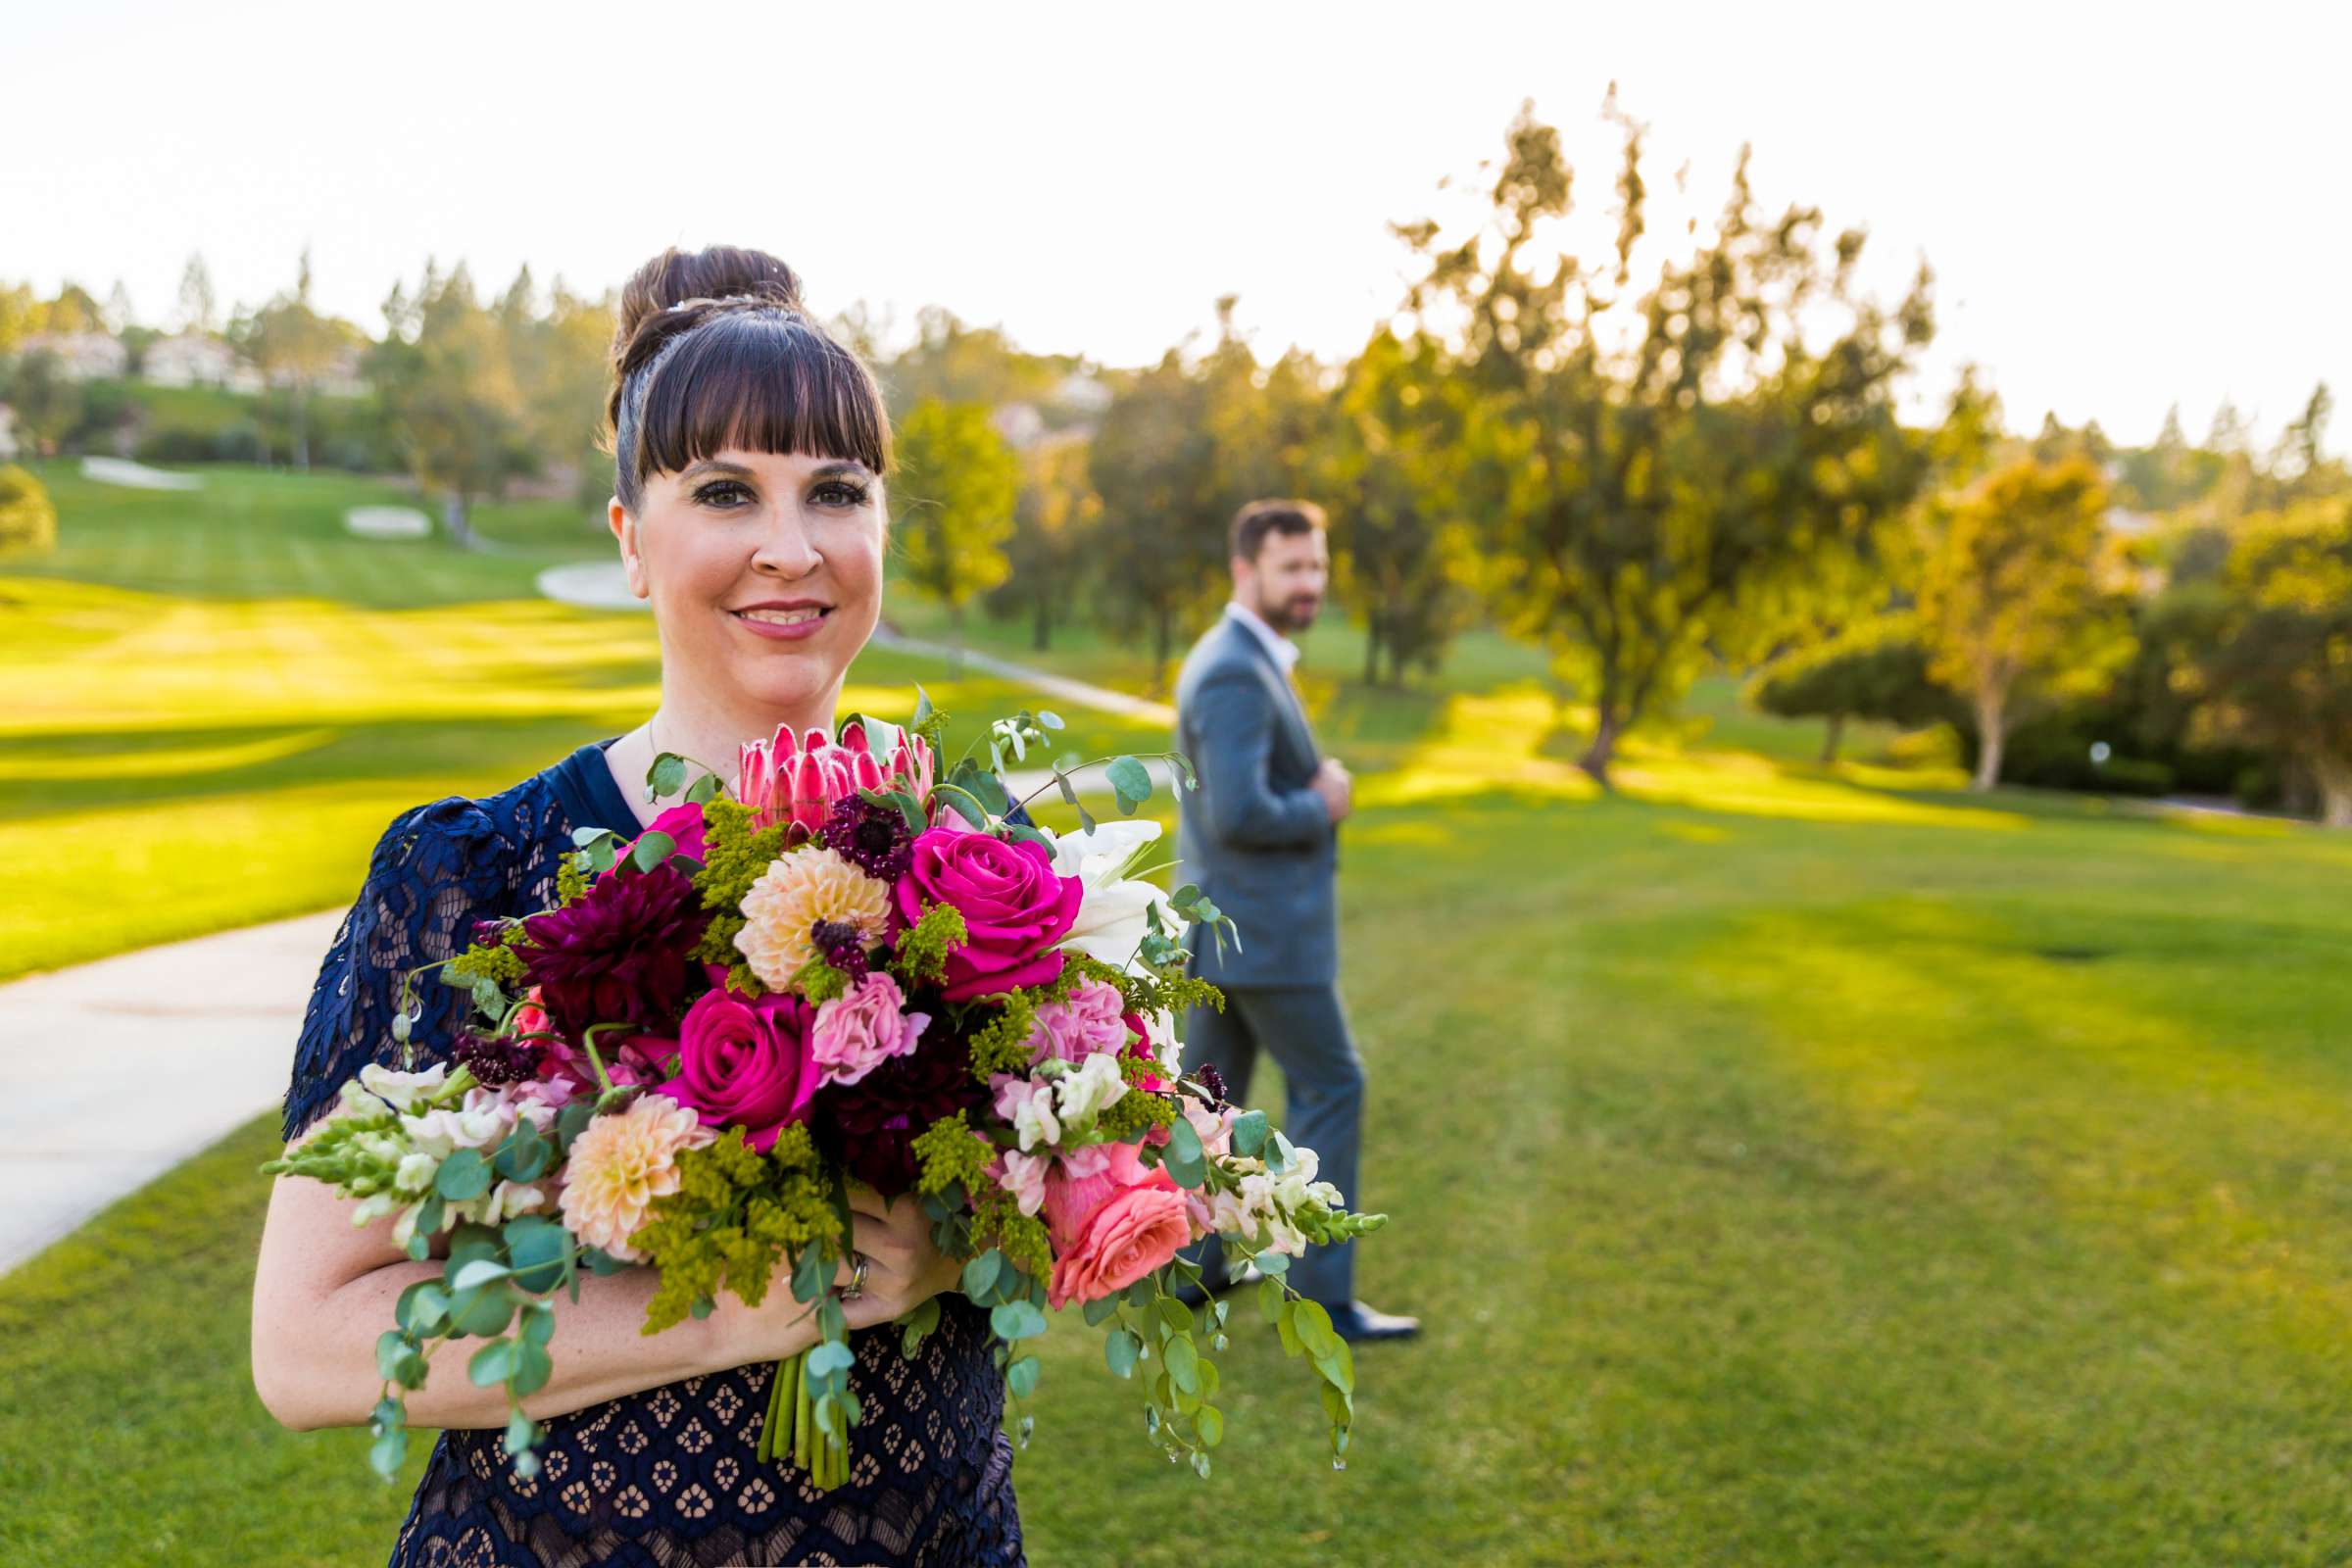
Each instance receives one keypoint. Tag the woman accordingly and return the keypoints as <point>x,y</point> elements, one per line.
<point>748,453</point>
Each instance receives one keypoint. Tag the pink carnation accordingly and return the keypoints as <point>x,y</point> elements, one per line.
<point>1092,1020</point>
<point>858,1032</point>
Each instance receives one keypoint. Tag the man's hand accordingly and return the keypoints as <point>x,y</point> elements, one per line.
<point>1338,789</point>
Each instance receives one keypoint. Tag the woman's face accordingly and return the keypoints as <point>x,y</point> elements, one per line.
<point>764,572</point>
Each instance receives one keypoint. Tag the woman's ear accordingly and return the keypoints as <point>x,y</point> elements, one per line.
<point>624,524</point>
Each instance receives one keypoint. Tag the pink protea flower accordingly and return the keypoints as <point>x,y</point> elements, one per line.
<point>798,778</point>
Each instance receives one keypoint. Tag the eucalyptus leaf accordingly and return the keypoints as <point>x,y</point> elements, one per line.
<point>463,1175</point>
<point>652,849</point>
<point>1119,1350</point>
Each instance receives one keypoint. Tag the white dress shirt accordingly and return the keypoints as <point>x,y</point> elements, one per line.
<point>1284,651</point>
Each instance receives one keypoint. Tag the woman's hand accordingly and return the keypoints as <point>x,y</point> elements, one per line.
<point>904,1270</point>
<point>904,1267</point>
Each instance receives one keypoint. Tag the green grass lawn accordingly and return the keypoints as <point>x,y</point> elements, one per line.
<point>154,740</point>
<point>252,533</point>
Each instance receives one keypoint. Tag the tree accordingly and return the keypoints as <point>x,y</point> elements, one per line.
<point>49,402</point>
<point>198,310</point>
<point>1154,463</point>
<point>292,345</point>
<point>956,492</point>
<point>2273,665</point>
<point>1876,669</point>
<point>449,389</point>
<point>1397,541</point>
<point>1660,478</point>
<point>1180,449</point>
<point>1055,534</point>
<point>28,519</point>
<point>2010,602</point>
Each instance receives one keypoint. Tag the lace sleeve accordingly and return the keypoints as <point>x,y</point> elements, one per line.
<point>435,871</point>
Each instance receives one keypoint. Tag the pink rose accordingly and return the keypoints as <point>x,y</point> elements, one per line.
<point>1139,1228</point>
<point>1092,1020</point>
<point>1088,1178</point>
<point>858,1032</point>
<point>746,1064</point>
<point>1013,905</point>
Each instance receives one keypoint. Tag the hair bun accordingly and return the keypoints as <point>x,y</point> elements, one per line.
<point>676,279</point>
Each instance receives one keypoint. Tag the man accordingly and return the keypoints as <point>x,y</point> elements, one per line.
<point>1260,837</point>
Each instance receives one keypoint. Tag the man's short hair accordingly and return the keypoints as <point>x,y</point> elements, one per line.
<point>1259,518</point>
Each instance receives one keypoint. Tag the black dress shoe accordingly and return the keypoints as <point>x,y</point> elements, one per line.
<point>1355,1322</point>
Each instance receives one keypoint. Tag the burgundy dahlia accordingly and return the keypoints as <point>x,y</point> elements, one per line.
<point>875,839</point>
<point>618,952</point>
<point>869,1125</point>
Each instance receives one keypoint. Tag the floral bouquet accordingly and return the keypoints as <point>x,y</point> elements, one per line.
<point>851,969</point>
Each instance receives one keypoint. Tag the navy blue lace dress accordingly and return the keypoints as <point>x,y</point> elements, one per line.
<point>670,1477</point>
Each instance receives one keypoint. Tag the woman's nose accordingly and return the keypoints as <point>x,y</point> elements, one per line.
<point>785,548</point>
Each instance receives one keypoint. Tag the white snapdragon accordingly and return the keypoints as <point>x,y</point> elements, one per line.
<point>1032,1113</point>
<point>415,1173</point>
<point>1096,1087</point>
<point>401,1091</point>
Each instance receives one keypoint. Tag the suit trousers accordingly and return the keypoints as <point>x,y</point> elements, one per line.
<point>1305,1029</point>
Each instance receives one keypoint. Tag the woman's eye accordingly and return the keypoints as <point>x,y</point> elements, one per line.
<point>723,494</point>
<point>839,493</point>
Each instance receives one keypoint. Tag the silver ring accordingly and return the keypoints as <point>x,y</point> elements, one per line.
<point>857,1287</point>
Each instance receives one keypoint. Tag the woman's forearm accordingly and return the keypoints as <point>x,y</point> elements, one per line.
<point>321,1372</point>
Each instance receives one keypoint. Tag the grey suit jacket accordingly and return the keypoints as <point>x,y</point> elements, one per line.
<point>1254,835</point>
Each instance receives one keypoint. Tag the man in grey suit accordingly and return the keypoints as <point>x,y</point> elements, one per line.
<point>1260,836</point>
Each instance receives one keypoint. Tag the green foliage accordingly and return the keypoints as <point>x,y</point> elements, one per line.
<point>28,519</point>
<point>922,951</point>
<point>1400,548</point>
<point>2270,660</point>
<point>955,493</point>
<point>1876,669</point>
<point>1181,448</point>
<point>732,1221</point>
<point>2012,604</point>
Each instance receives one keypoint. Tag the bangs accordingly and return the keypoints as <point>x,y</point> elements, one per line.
<point>756,382</point>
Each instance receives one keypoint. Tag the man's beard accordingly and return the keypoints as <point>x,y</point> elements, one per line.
<point>1287,615</point>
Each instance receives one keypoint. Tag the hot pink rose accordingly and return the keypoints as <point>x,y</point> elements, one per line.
<point>1013,904</point>
<point>746,1064</point>
<point>858,1032</point>
<point>1092,1020</point>
<point>1137,1228</point>
<point>683,823</point>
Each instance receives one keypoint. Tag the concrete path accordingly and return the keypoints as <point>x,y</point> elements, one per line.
<point>137,1063</point>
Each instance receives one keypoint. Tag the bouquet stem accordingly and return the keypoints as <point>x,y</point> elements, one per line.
<point>790,1433</point>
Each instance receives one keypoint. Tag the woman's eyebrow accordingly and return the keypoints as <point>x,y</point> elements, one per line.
<point>842,466</point>
<point>713,465</point>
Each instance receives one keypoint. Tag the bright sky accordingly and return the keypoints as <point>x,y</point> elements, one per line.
<point>2125,206</point>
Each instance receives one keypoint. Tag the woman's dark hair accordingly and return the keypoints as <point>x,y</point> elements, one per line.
<point>713,351</point>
